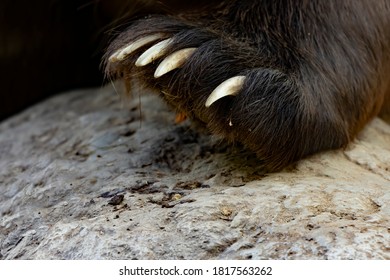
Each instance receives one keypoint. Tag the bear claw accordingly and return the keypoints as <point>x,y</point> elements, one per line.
<point>231,86</point>
<point>122,53</point>
<point>153,53</point>
<point>173,61</point>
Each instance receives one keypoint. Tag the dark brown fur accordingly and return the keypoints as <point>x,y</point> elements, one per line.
<point>317,70</point>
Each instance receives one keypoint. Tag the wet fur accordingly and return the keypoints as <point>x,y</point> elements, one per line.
<point>317,71</point>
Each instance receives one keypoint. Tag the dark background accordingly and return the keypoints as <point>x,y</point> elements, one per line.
<point>49,46</point>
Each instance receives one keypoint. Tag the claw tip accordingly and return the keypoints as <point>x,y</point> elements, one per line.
<point>231,86</point>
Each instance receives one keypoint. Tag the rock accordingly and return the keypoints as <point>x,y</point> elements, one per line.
<point>84,176</point>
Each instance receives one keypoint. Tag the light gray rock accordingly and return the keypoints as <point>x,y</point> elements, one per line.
<point>83,176</point>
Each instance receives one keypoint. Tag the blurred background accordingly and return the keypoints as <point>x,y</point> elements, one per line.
<point>49,46</point>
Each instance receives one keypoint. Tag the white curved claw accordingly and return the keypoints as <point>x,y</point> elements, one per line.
<point>173,61</point>
<point>125,51</point>
<point>229,87</point>
<point>151,54</point>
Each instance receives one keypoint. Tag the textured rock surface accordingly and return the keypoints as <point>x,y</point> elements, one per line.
<point>83,177</point>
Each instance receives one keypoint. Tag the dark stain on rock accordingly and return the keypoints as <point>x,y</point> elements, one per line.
<point>116,199</point>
